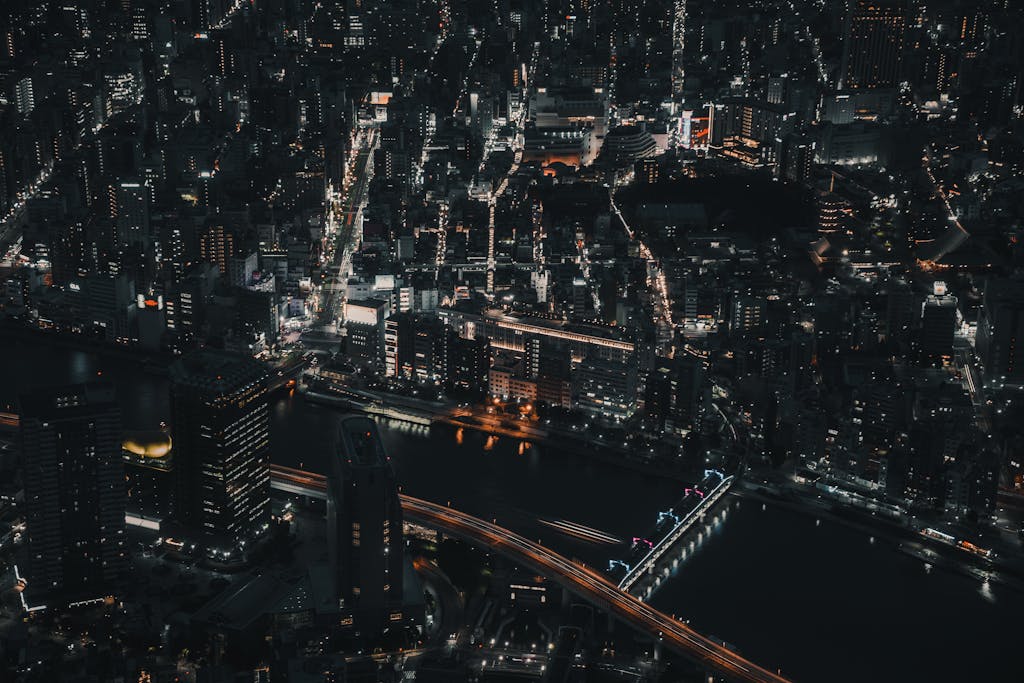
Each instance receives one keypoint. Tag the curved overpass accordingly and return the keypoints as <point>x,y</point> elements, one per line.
<point>588,585</point>
<point>578,579</point>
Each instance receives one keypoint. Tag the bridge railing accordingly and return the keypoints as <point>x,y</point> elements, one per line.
<point>655,553</point>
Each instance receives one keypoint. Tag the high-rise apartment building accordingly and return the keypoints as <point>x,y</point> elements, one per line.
<point>74,492</point>
<point>216,246</point>
<point>873,46</point>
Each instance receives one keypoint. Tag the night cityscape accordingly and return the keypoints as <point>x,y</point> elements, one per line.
<point>555,341</point>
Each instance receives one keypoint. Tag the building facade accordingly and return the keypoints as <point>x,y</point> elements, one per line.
<point>221,434</point>
<point>364,529</point>
<point>74,492</point>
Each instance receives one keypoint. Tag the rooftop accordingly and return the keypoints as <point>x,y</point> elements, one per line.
<point>56,402</point>
<point>216,372</point>
<point>360,442</point>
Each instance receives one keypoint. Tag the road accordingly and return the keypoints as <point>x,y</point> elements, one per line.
<point>660,300</point>
<point>343,212</point>
<point>955,233</point>
<point>589,585</point>
<point>448,631</point>
<point>290,371</point>
<point>584,582</point>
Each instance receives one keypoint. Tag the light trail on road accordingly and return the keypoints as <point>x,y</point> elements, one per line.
<point>591,586</point>
<point>577,578</point>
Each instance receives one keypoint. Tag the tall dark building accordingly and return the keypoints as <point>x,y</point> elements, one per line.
<point>74,491</point>
<point>364,331</point>
<point>1001,332</point>
<point>672,394</point>
<point>687,382</point>
<point>902,311</point>
<point>658,396</point>
<point>413,347</point>
<point>799,150</point>
<point>873,46</point>
<point>938,325</point>
<point>467,364</point>
<point>221,431</point>
<point>550,363</point>
<point>364,528</point>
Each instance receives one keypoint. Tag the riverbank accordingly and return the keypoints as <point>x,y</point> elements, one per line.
<point>903,538</point>
<point>566,442</point>
<point>784,589</point>
<point>811,596</point>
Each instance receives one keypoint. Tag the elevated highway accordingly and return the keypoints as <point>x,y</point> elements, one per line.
<point>580,580</point>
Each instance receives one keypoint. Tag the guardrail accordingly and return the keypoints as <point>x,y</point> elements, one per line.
<point>681,527</point>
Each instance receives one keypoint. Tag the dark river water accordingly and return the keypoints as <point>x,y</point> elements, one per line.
<point>818,600</point>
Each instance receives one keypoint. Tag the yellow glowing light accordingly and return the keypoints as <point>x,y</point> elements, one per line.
<point>148,445</point>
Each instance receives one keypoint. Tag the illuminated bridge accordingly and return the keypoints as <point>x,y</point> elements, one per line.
<point>695,503</point>
<point>576,578</point>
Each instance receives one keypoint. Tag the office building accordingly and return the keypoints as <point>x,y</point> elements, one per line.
<point>747,314</point>
<point>798,157</point>
<point>687,386</point>
<point>129,209</point>
<point>549,363</point>
<point>74,492</point>
<point>749,131</point>
<point>365,331</point>
<point>106,305</point>
<point>625,145</point>
<point>414,347</point>
<point>152,321</point>
<point>606,388</point>
<point>220,430</point>
<point>216,246</point>
<point>467,363</point>
<point>579,297</point>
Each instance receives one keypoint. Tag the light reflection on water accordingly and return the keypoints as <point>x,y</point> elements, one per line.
<point>787,589</point>
<point>796,592</point>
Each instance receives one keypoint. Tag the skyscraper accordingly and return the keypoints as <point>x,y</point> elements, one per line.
<point>74,491</point>
<point>873,46</point>
<point>678,50</point>
<point>1001,332</point>
<point>220,428</point>
<point>364,528</point>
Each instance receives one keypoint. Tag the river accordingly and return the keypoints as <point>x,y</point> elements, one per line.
<point>819,600</point>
